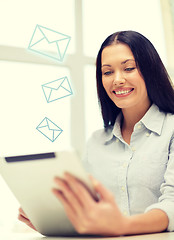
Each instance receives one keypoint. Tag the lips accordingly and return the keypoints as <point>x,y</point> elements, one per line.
<point>123,92</point>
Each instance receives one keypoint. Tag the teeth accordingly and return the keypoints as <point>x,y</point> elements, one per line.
<point>122,92</point>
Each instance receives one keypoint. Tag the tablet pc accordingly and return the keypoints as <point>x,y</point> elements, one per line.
<point>30,178</point>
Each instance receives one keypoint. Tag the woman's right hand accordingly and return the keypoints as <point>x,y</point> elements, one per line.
<point>23,218</point>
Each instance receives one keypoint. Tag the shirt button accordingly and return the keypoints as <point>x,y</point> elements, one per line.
<point>147,134</point>
<point>139,126</point>
<point>117,140</point>
<point>125,213</point>
<point>125,165</point>
<point>123,189</point>
<point>133,149</point>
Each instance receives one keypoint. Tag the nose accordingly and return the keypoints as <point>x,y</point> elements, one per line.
<point>118,79</point>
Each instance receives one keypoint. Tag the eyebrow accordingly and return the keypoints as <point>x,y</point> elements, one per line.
<point>127,61</point>
<point>108,65</point>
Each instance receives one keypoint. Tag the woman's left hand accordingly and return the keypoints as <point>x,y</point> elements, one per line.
<point>87,215</point>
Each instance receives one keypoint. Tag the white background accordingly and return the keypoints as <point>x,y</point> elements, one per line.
<point>22,102</point>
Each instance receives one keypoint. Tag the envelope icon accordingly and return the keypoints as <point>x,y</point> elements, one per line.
<point>49,43</point>
<point>57,89</point>
<point>49,129</point>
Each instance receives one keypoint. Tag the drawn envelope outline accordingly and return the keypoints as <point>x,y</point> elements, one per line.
<point>49,43</point>
<point>49,129</point>
<point>57,89</point>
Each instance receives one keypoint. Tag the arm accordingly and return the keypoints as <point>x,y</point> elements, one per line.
<point>165,202</point>
<point>103,217</point>
<point>153,221</point>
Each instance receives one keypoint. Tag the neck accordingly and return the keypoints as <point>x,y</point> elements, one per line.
<point>132,116</point>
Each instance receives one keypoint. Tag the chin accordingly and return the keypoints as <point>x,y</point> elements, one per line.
<point>123,105</point>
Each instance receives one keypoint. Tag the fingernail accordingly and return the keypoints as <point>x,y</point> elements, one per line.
<point>66,174</point>
<point>57,179</point>
<point>55,190</point>
<point>95,183</point>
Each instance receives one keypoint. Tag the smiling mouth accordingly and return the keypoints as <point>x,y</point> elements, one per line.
<point>123,92</point>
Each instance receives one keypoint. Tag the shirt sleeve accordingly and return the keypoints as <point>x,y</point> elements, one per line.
<point>166,200</point>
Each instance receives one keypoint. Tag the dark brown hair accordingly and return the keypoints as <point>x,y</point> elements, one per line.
<point>158,83</point>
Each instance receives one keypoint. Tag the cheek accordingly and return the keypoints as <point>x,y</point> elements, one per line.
<point>106,84</point>
<point>107,89</point>
<point>140,85</point>
<point>144,90</point>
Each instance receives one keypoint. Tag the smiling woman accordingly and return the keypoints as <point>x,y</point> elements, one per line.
<point>134,63</point>
<point>20,68</point>
<point>132,158</point>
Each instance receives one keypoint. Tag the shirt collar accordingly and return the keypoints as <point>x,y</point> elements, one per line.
<point>115,132</point>
<point>152,120</point>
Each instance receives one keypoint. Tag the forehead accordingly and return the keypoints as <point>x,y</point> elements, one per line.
<point>117,52</point>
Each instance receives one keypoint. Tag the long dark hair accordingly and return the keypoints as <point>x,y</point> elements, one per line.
<point>157,80</point>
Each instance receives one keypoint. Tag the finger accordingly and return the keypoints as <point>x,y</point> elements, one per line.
<point>63,200</point>
<point>71,213</point>
<point>105,194</point>
<point>81,191</point>
<point>26,221</point>
<point>59,194</point>
<point>22,212</point>
<point>67,196</point>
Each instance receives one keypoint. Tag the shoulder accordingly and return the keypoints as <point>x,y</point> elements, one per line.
<point>168,126</point>
<point>159,121</point>
<point>169,121</point>
<point>100,136</point>
<point>170,116</point>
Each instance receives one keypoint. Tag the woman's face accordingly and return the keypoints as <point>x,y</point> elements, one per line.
<point>121,79</point>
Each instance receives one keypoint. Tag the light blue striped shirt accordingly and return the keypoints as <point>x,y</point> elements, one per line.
<point>140,175</point>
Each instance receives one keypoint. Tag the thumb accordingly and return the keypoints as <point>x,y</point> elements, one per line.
<point>104,193</point>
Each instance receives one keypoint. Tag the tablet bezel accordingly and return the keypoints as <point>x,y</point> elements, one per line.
<point>30,178</point>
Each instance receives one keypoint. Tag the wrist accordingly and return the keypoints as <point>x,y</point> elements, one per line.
<point>150,222</point>
<point>125,226</point>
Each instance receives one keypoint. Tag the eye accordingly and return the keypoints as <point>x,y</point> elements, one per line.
<point>107,73</point>
<point>129,69</point>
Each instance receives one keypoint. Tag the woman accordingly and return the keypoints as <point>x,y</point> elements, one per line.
<point>132,158</point>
